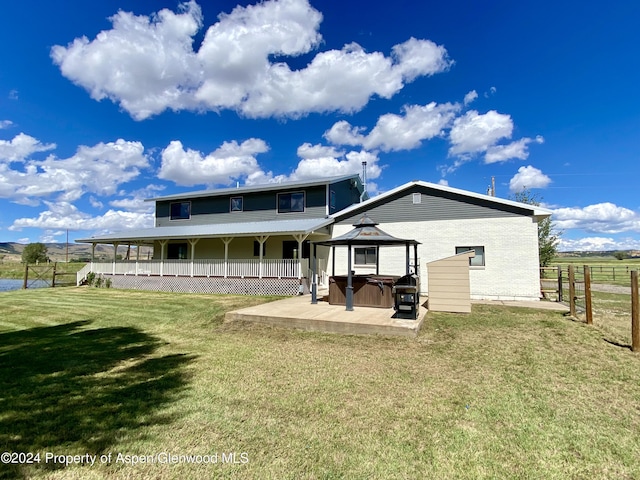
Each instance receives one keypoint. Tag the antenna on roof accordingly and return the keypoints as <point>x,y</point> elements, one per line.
<point>364,180</point>
<point>491,189</point>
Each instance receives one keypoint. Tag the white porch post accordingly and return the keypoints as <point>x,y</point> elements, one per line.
<point>93,254</point>
<point>192,242</point>
<point>261,239</point>
<point>137,257</point>
<point>163,244</point>
<point>226,241</point>
<point>300,237</point>
<point>115,255</point>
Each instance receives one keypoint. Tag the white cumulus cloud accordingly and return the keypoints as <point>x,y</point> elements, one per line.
<point>597,244</point>
<point>98,169</point>
<point>64,215</point>
<point>598,218</point>
<point>528,177</point>
<point>228,163</point>
<point>147,64</point>
<point>21,147</point>
<point>517,149</point>
<point>317,161</point>
<point>397,132</point>
<point>474,132</point>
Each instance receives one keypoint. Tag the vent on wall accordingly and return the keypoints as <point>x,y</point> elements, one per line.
<point>417,198</point>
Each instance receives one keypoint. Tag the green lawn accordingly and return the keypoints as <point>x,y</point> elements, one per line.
<point>499,393</point>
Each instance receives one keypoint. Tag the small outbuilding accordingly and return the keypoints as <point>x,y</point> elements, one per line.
<point>449,286</point>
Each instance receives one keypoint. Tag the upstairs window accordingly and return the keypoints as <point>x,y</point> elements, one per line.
<point>478,260</point>
<point>181,211</point>
<point>291,202</point>
<point>236,204</point>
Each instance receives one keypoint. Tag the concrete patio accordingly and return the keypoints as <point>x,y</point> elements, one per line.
<point>298,312</point>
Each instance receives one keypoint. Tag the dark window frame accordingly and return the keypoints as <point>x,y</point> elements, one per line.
<point>178,213</point>
<point>241,209</point>
<point>370,255</point>
<point>289,208</point>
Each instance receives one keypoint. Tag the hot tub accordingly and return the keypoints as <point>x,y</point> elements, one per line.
<point>368,290</point>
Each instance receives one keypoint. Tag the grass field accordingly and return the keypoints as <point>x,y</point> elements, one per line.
<point>499,393</point>
<point>605,270</point>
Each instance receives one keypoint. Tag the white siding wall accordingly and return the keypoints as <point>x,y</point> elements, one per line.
<point>511,270</point>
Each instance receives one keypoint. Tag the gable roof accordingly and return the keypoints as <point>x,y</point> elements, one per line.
<point>259,188</point>
<point>536,211</point>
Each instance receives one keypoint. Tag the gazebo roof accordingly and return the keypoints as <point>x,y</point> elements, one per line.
<point>366,232</point>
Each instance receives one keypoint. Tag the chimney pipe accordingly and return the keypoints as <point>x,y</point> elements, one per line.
<point>364,180</point>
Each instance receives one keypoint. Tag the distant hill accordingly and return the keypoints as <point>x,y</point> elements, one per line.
<point>605,253</point>
<point>58,252</point>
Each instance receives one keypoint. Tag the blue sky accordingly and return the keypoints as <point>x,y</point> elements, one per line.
<point>103,107</point>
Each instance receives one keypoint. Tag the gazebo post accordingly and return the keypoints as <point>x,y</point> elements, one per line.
<point>314,283</point>
<point>333,261</point>
<point>415,258</point>
<point>349,292</point>
<point>407,245</point>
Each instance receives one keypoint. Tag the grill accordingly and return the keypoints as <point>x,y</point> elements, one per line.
<point>406,295</point>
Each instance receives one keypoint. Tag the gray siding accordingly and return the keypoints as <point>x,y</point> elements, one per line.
<point>346,194</point>
<point>258,206</point>
<point>434,205</point>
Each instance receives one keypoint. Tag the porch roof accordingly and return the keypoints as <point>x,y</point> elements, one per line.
<point>246,229</point>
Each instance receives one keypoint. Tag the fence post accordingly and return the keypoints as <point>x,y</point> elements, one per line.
<point>572,291</point>
<point>559,283</point>
<point>587,294</point>
<point>53,277</point>
<point>26,276</point>
<point>635,313</point>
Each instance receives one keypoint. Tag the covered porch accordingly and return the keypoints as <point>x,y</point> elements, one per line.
<point>223,258</point>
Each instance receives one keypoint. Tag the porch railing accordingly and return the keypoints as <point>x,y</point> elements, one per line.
<point>245,268</point>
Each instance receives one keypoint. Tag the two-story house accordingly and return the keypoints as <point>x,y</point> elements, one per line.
<point>256,239</point>
<point>233,240</point>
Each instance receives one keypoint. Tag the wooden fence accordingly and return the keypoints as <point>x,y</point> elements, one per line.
<point>49,274</point>
<point>573,285</point>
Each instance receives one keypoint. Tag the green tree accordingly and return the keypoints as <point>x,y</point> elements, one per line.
<point>548,235</point>
<point>620,255</point>
<point>35,253</point>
